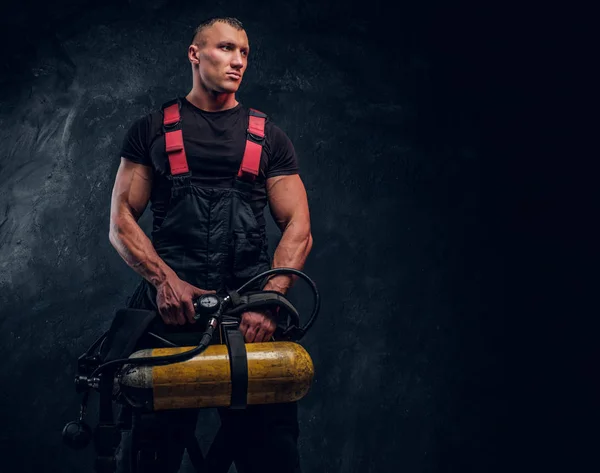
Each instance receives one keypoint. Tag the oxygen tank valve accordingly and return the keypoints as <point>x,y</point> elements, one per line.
<point>83,383</point>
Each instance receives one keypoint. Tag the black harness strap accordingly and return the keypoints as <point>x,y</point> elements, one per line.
<point>219,456</point>
<point>239,363</point>
<point>106,433</point>
<point>125,331</point>
<point>122,336</point>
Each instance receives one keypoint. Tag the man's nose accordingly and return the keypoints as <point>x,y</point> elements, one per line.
<point>237,60</point>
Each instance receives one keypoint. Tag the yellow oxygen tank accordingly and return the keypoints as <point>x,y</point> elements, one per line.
<point>277,372</point>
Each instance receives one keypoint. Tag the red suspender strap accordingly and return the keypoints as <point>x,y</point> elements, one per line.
<point>174,139</point>
<point>254,139</point>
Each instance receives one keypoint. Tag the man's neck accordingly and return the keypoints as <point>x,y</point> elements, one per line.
<point>211,102</point>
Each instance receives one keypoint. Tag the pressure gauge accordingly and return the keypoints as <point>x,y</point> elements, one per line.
<point>207,304</point>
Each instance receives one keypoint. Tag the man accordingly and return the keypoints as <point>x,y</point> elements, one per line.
<point>208,235</point>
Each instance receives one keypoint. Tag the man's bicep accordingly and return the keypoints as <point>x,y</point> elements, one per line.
<point>131,192</point>
<point>287,200</point>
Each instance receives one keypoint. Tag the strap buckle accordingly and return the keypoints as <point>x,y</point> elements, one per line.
<point>171,126</point>
<point>258,139</point>
<point>171,116</point>
<point>228,321</point>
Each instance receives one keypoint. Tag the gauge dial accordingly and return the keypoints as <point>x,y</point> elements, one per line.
<point>209,301</point>
<point>207,305</point>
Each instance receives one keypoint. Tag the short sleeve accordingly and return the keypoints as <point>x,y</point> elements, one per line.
<point>282,161</point>
<point>135,143</point>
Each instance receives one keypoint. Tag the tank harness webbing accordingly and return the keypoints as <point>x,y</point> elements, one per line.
<point>238,359</point>
<point>127,327</point>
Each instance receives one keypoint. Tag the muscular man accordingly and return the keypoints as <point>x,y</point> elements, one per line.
<point>209,234</point>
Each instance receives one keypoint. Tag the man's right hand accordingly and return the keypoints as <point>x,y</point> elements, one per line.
<point>174,299</point>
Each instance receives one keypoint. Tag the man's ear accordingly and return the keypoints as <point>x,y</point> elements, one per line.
<point>193,54</point>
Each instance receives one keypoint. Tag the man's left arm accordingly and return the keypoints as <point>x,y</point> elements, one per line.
<point>289,207</point>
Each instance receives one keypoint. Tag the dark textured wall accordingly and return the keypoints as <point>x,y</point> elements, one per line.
<point>386,109</point>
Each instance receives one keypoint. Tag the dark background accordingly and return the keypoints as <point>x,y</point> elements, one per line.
<point>399,116</point>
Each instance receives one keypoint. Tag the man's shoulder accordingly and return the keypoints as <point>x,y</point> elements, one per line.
<point>276,135</point>
<point>148,119</point>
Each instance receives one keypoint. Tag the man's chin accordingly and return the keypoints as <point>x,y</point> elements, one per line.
<point>229,87</point>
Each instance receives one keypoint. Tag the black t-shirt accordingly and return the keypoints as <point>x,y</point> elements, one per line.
<point>214,144</point>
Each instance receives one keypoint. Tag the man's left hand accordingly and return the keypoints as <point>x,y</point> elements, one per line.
<point>257,326</point>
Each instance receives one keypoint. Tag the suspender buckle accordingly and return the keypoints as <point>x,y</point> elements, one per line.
<point>171,115</point>
<point>258,139</point>
<point>171,126</point>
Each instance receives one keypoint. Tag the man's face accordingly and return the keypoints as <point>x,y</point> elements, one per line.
<point>223,57</point>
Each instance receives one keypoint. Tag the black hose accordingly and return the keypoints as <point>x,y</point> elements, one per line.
<point>160,360</point>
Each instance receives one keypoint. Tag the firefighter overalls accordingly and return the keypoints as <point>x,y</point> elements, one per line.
<point>212,240</point>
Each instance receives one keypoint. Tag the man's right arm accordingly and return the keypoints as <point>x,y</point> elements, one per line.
<point>130,197</point>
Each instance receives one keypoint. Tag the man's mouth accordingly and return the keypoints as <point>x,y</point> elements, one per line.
<point>234,75</point>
